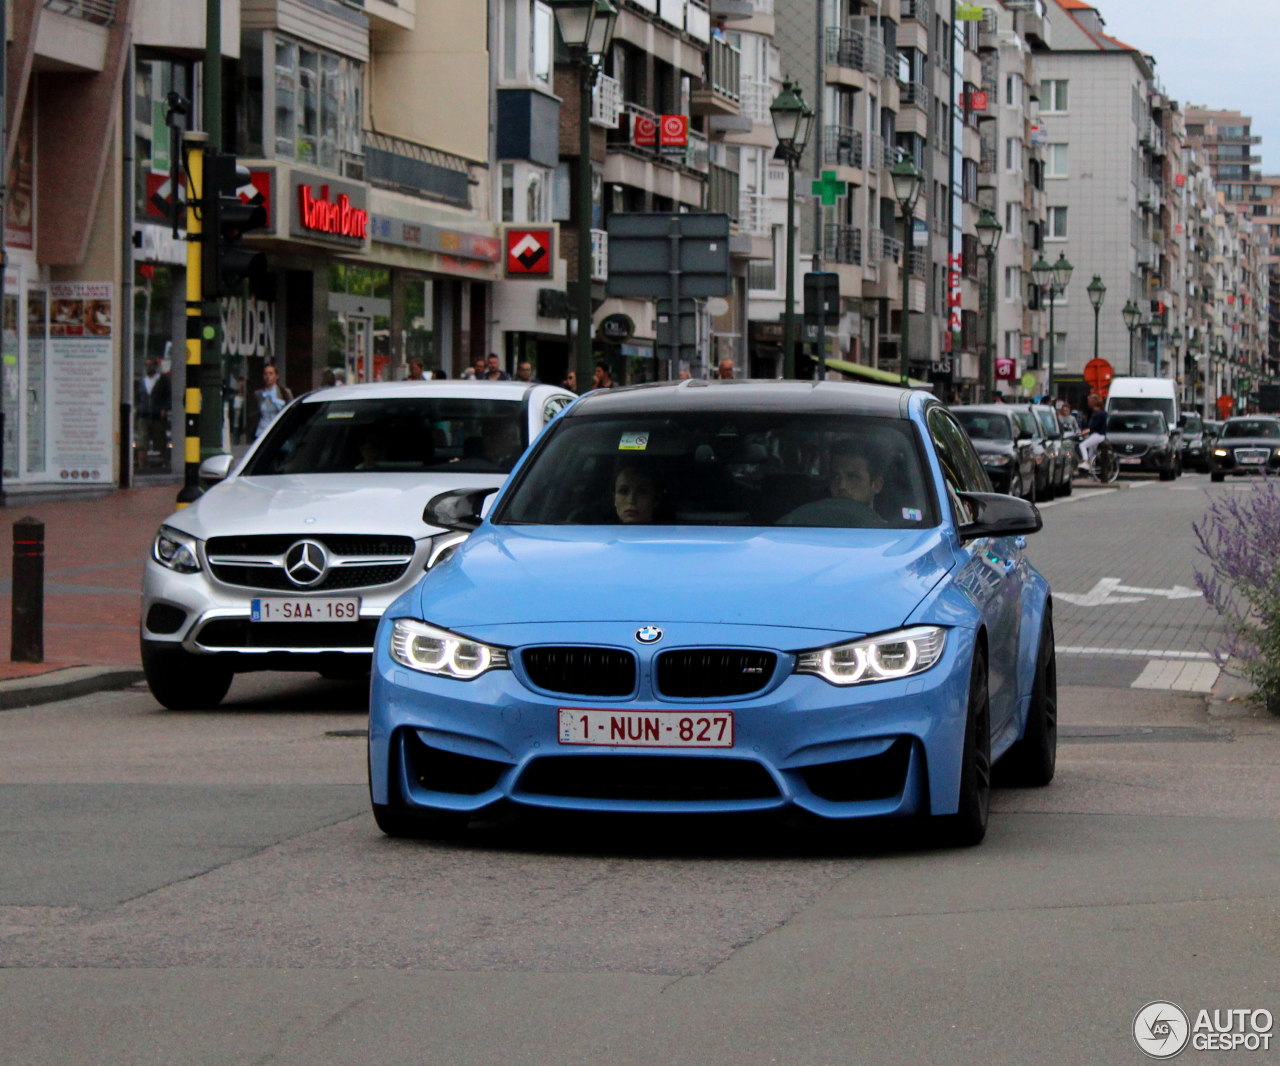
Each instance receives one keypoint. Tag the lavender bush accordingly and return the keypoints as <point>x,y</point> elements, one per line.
<point>1239,535</point>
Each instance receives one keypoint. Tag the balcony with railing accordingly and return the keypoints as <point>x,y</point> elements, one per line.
<point>721,90</point>
<point>722,191</point>
<point>415,169</point>
<point>99,12</point>
<point>854,50</point>
<point>599,255</point>
<point>842,147</point>
<point>757,95</point>
<point>842,244</point>
<point>606,102</point>
<point>915,94</point>
<point>753,214</point>
<point>762,275</point>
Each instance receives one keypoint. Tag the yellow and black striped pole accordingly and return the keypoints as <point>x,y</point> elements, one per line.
<point>195,146</point>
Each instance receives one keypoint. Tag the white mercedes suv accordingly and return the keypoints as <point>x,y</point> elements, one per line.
<point>289,560</point>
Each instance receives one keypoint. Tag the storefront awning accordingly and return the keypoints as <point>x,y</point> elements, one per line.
<point>871,373</point>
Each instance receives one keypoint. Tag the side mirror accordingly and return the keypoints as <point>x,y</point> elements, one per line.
<point>996,515</point>
<point>457,510</point>
<point>215,468</point>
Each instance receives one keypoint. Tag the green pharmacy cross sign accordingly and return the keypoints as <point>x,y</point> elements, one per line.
<point>828,190</point>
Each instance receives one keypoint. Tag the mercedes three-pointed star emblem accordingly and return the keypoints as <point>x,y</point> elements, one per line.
<point>306,562</point>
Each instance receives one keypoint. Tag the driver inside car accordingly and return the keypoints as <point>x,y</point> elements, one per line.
<point>855,479</point>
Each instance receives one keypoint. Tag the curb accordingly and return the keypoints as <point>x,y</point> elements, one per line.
<point>67,683</point>
<point>1232,697</point>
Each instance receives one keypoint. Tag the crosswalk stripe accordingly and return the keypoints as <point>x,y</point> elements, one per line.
<point>1177,676</point>
<point>1133,653</point>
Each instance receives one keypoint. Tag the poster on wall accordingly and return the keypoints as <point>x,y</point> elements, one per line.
<point>81,320</point>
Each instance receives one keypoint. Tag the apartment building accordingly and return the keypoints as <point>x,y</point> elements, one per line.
<point>892,79</point>
<point>1228,140</point>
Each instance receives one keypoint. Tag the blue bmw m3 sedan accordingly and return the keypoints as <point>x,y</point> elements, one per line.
<point>710,597</point>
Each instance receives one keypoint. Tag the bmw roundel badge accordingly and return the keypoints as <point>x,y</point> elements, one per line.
<point>648,634</point>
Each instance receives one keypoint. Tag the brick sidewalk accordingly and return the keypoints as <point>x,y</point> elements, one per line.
<point>94,553</point>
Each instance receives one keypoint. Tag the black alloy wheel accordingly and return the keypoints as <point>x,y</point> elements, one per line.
<point>968,825</point>
<point>1032,760</point>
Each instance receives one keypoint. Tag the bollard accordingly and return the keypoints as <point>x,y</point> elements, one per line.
<point>27,639</point>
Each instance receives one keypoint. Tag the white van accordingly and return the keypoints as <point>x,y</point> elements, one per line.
<point>1149,394</point>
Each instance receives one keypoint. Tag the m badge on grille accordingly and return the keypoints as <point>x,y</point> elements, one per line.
<point>648,634</point>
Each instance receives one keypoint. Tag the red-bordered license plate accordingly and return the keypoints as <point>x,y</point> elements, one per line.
<point>646,729</point>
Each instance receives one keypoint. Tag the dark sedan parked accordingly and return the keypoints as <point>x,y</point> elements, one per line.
<point>1005,447</point>
<point>1195,443</point>
<point>1248,444</point>
<point>1059,452</point>
<point>1142,442</point>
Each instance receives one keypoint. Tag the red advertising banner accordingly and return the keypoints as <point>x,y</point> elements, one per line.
<point>674,131</point>
<point>1006,369</point>
<point>529,252</point>
<point>644,131</point>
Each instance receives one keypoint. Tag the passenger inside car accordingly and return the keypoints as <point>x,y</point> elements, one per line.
<point>635,495</point>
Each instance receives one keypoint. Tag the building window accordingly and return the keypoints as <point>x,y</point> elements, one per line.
<point>1013,219</point>
<point>1055,161</point>
<point>1053,95</point>
<point>1013,90</point>
<point>1012,154</point>
<point>1012,283</point>
<point>318,109</point>
<point>1056,224</point>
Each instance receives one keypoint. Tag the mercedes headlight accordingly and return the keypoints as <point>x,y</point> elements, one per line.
<point>176,550</point>
<point>437,651</point>
<point>880,658</point>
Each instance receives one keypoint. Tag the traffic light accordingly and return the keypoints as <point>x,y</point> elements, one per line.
<point>227,218</point>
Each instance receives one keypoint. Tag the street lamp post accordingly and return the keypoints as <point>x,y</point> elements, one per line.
<point>792,119</point>
<point>586,27</point>
<point>1097,291</point>
<point>989,231</point>
<point>907,181</point>
<point>1132,315</point>
<point>1053,280</point>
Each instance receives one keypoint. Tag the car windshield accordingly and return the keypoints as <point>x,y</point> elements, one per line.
<point>1263,428</point>
<point>1048,422</point>
<point>703,468</point>
<point>1135,422</point>
<point>983,426</point>
<point>1193,424</point>
<point>411,435</point>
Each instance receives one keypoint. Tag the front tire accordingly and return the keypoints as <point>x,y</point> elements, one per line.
<point>181,681</point>
<point>1032,760</point>
<point>968,825</point>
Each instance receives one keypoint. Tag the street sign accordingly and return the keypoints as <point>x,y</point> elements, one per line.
<point>530,253</point>
<point>673,131</point>
<point>822,297</point>
<point>1098,374</point>
<point>1006,369</point>
<point>657,255</point>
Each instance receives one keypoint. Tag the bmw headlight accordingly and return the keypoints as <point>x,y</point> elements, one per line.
<point>437,651</point>
<point>880,658</point>
<point>176,550</point>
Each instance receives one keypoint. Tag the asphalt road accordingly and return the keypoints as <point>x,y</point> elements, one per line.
<point>209,888</point>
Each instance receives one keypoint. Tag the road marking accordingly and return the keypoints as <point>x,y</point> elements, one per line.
<point>1177,676</point>
<point>1076,496</point>
<point>1105,593</point>
<point>1138,653</point>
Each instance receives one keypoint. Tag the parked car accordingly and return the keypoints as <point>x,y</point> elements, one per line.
<point>1060,455</point>
<point>289,560</point>
<point>704,597</point>
<point>1005,448</point>
<point>1195,454</point>
<point>1041,449</point>
<point>1248,444</point>
<point>1142,442</point>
